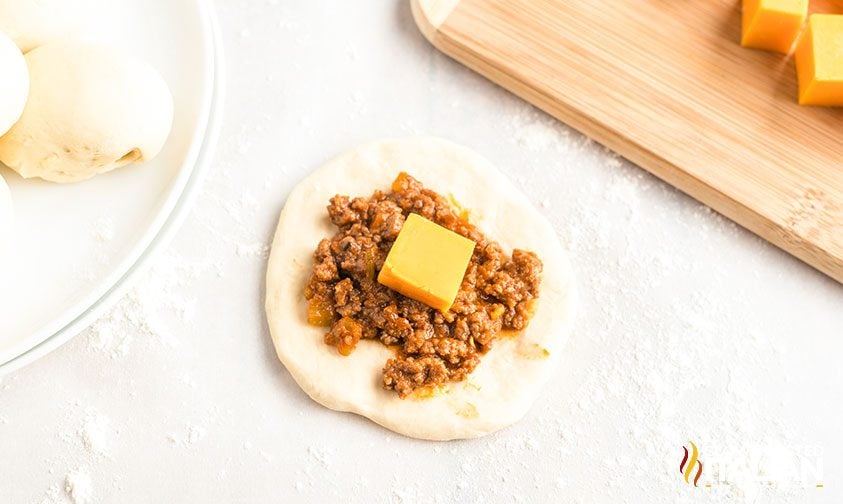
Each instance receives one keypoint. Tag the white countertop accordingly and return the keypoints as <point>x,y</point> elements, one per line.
<point>689,328</point>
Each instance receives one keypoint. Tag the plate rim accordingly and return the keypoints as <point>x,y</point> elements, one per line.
<point>83,313</point>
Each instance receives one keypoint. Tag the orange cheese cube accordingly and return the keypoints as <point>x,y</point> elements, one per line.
<point>427,263</point>
<point>819,61</point>
<point>772,24</point>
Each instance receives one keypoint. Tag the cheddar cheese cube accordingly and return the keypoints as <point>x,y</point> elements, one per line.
<point>427,263</point>
<point>819,61</point>
<point>772,25</point>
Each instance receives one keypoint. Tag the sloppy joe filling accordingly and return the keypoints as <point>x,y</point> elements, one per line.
<point>497,293</point>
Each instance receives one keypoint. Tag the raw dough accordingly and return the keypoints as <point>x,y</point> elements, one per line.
<point>91,109</point>
<point>33,23</point>
<point>14,83</point>
<point>509,377</point>
<point>6,217</point>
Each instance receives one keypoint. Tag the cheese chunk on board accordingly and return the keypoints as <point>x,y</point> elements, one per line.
<point>819,61</point>
<point>772,25</point>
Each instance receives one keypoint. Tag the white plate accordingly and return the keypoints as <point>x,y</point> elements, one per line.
<point>76,246</point>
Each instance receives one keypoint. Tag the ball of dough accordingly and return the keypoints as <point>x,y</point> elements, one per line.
<point>33,23</point>
<point>14,83</point>
<point>91,109</point>
<point>6,217</point>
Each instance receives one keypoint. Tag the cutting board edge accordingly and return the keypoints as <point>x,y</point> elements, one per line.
<point>431,16</point>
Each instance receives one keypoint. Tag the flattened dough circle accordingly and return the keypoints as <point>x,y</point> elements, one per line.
<point>510,376</point>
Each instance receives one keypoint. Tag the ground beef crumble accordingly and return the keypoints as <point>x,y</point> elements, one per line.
<point>497,292</point>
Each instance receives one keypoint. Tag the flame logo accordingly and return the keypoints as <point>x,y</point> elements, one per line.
<point>687,466</point>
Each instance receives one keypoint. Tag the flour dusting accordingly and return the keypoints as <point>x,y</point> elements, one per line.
<point>95,433</point>
<point>79,487</point>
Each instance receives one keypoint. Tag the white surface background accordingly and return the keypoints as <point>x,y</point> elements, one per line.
<point>689,328</point>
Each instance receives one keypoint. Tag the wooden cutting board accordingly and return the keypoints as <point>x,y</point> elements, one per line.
<point>666,84</point>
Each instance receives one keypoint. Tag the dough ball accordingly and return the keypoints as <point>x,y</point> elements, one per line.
<point>33,23</point>
<point>6,217</point>
<point>14,83</point>
<point>91,109</point>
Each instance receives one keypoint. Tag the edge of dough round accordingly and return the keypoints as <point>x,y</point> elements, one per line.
<point>510,376</point>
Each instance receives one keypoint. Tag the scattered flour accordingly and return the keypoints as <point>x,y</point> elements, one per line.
<point>143,310</point>
<point>535,131</point>
<point>196,433</point>
<point>260,250</point>
<point>78,486</point>
<point>193,435</point>
<point>95,433</point>
<point>322,454</point>
<point>103,229</point>
<point>644,376</point>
